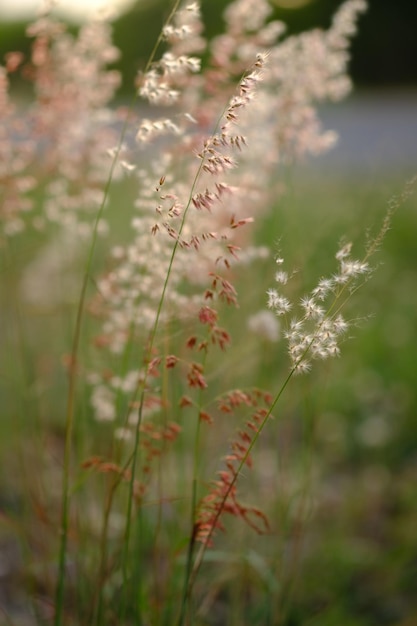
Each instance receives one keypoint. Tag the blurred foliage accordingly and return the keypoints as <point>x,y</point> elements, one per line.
<point>337,467</point>
<point>351,560</point>
<point>383,52</point>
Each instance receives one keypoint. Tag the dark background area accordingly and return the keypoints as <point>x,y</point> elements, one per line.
<point>384,52</point>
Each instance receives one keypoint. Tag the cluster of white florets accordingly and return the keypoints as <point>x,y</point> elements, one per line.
<point>187,209</point>
<point>317,332</point>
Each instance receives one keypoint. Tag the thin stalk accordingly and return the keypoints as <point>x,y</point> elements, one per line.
<point>112,484</point>
<point>72,382</point>
<point>98,608</point>
<point>69,423</point>
<point>294,565</point>
<point>141,387</point>
<point>157,551</point>
<point>195,482</point>
<point>334,308</point>
<point>202,551</point>
<point>142,384</point>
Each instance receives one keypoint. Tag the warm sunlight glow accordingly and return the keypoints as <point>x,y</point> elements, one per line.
<point>74,10</point>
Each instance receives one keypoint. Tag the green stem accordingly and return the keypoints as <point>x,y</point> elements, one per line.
<point>201,553</point>
<point>335,307</point>
<point>141,387</point>
<point>191,544</point>
<point>69,421</point>
<point>142,384</point>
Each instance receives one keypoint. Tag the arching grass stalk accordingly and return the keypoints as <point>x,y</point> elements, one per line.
<point>112,485</point>
<point>72,380</point>
<point>193,510</point>
<point>339,301</point>
<point>200,556</point>
<point>72,376</point>
<point>141,387</point>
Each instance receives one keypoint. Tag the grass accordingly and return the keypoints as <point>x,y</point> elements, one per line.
<point>336,467</point>
<point>160,462</point>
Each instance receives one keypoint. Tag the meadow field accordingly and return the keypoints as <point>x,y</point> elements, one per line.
<point>208,393</point>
